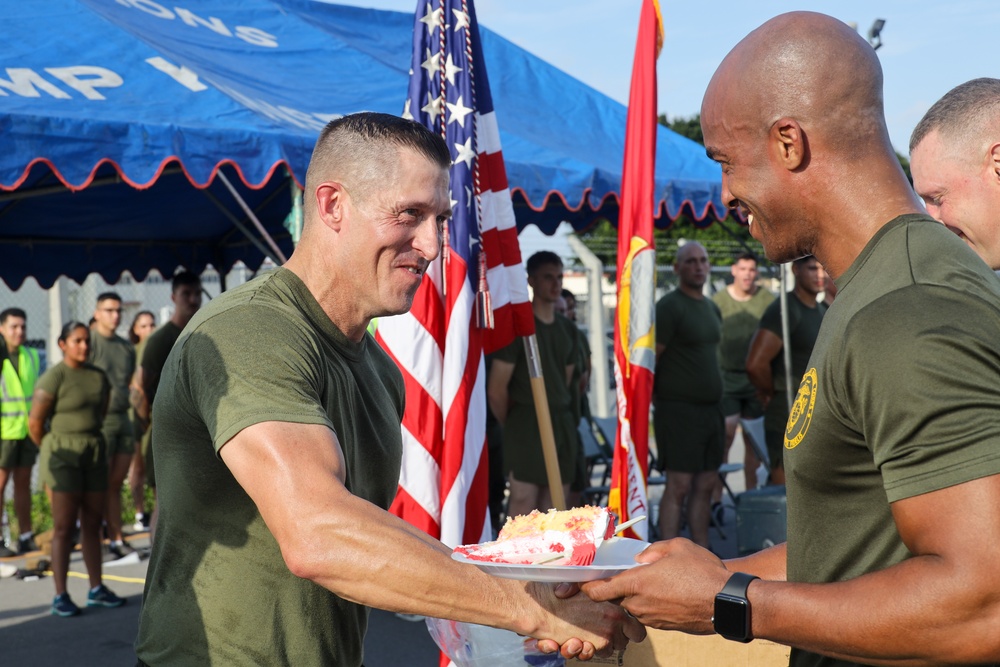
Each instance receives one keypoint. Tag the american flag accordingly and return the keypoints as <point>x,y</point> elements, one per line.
<point>439,344</point>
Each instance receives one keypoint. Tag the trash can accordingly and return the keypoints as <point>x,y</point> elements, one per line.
<point>761,519</point>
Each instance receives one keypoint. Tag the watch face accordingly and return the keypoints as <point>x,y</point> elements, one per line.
<point>731,616</point>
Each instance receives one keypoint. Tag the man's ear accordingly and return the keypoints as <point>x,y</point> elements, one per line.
<point>789,142</point>
<point>330,201</point>
<point>995,160</point>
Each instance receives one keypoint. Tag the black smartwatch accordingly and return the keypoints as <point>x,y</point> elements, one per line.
<point>732,609</point>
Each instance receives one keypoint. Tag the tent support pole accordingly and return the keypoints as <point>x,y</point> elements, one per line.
<point>253,218</point>
<point>243,228</point>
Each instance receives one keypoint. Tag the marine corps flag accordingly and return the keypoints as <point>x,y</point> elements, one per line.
<point>634,334</point>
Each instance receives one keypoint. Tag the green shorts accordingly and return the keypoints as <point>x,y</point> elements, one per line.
<point>18,453</point>
<point>118,434</point>
<point>522,450</point>
<point>74,463</point>
<point>746,406</point>
<point>775,448</point>
<point>689,436</point>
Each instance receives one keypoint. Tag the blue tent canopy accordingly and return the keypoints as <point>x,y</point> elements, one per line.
<point>117,115</point>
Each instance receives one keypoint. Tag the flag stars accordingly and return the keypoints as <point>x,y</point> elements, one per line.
<point>432,108</point>
<point>461,19</point>
<point>432,18</point>
<point>451,69</point>
<point>432,63</point>
<point>458,111</point>
<point>466,153</point>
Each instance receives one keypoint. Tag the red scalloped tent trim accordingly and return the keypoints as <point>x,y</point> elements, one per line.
<point>74,187</point>
<point>709,213</point>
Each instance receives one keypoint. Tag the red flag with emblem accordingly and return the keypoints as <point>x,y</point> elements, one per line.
<point>634,322</point>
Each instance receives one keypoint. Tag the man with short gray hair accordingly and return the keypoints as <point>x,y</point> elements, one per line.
<point>955,163</point>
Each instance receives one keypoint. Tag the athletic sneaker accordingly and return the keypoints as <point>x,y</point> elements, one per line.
<point>120,550</point>
<point>5,552</point>
<point>103,597</point>
<point>62,605</point>
<point>26,545</point>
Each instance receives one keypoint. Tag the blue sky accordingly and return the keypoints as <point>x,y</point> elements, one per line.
<point>929,46</point>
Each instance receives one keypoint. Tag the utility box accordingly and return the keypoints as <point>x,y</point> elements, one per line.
<point>761,519</point>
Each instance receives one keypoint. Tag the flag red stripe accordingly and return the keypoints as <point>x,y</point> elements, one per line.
<point>422,416</point>
<point>478,500</point>
<point>492,172</point>
<point>429,311</point>
<point>405,507</point>
<point>458,415</point>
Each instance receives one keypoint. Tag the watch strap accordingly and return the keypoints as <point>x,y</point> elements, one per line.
<point>738,584</point>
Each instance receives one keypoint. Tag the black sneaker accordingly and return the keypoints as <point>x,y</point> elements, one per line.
<point>120,550</point>
<point>26,545</point>
<point>63,606</point>
<point>5,552</point>
<point>103,597</point>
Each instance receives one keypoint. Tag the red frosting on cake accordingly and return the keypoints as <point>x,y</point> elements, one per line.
<point>568,537</point>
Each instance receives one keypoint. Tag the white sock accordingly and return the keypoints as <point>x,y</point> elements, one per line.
<point>27,536</point>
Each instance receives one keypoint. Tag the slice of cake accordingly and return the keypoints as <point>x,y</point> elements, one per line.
<point>568,537</point>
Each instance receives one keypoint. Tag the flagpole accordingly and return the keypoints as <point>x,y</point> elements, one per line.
<point>544,422</point>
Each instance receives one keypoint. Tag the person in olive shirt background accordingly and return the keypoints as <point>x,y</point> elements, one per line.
<point>185,292</point>
<point>687,396</point>
<point>510,398</point>
<point>741,304</point>
<point>765,361</point>
<point>143,325</point>
<point>566,306</point>
<point>73,397</point>
<point>116,357</point>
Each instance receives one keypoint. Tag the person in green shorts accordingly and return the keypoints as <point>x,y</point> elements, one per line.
<point>116,357</point>
<point>511,400</point>
<point>20,366</point>
<point>277,431</point>
<point>687,395</point>
<point>741,303</point>
<point>892,450</point>
<point>185,293</point>
<point>67,416</point>
<point>566,306</point>
<point>142,326</point>
<point>766,359</point>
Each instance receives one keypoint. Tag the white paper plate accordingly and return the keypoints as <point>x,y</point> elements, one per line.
<point>615,555</point>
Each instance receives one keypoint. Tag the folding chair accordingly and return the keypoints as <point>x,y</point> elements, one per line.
<point>599,453</point>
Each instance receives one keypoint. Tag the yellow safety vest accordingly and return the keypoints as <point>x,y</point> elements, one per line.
<point>16,388</point>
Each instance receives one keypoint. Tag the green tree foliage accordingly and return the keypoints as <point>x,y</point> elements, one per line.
<point>724,241</point>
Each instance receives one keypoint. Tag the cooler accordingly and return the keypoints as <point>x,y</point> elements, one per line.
<point>761,516</point>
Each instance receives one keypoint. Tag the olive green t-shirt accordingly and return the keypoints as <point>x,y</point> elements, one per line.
<point>154,354</point>
<point>116,357</point>
<point>558,348</point>
<point>688,369</point>
<point>217,589</point>
<point>739,322</point>
<point>803,328</point>
<point>80,395</point>
<point>900,399</point>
